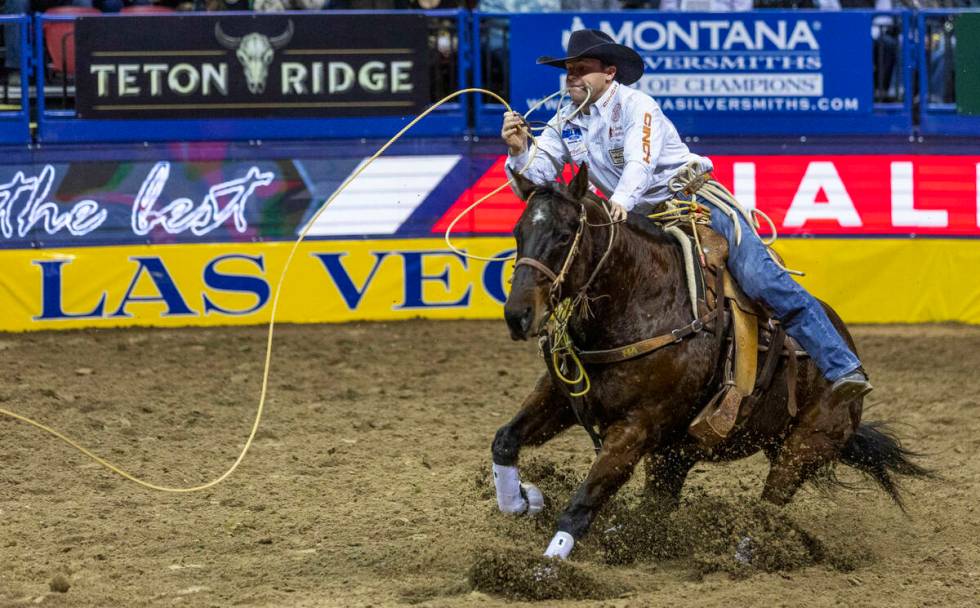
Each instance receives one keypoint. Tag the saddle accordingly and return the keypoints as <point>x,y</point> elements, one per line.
<point>748,331</point>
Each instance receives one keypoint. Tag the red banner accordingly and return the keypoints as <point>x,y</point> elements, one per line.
<point>820,195</point>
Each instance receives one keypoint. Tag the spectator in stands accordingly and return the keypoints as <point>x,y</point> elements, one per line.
<point>732,6</point>
<point>547,6</point>
<point>11,33</point>
<point>885,31</point>
<point>939,41</point>
<point>278,6</point>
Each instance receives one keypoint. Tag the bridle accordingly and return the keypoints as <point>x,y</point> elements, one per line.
<point>561,353</point>
<point>557,279</point>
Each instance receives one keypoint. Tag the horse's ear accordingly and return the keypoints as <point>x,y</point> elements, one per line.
<point>522,186</point>
<point>580,183</point>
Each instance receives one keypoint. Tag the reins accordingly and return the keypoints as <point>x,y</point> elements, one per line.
<point>563,355</point>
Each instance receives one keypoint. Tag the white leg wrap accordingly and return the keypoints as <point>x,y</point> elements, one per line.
<point>508,484</point>
<point>534,497</point>
<point>560,546</point>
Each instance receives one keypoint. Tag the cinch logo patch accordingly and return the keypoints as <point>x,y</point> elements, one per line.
<point>647,121</point>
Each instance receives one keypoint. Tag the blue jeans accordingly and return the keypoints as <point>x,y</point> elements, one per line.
<point>800,313</point>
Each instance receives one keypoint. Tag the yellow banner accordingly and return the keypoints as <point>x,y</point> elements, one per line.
<point>232,284</point>
<point>867,281</point>
<point>891,280</point>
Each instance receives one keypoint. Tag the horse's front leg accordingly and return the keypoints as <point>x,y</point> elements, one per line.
<point>624,444</point>
<point>544,413</point>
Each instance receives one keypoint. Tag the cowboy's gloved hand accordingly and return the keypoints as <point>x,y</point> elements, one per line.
<point>617,211</point>
<point>513,133</point>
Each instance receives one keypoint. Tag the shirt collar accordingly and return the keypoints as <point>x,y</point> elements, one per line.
<point>605,103</point>
<point>603,106</point>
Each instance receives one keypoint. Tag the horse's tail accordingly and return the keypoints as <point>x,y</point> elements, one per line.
<point>874,450</point>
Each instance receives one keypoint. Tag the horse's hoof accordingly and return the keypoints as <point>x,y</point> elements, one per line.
<point>561,545</point>
<point>534,498</point>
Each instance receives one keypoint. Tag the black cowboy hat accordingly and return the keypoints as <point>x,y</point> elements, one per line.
<point>599,45</point>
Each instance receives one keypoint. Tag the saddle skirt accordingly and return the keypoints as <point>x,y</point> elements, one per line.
<point>752,331</point>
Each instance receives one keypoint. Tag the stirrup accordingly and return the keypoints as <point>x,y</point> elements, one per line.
<point>715,422</point>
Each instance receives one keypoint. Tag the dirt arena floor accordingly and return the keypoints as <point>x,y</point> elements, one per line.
<point>368,484</point>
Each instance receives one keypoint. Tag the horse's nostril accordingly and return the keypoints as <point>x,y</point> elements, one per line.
<point>526,319</point>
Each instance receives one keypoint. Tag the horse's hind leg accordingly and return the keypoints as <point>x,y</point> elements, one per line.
<point>544,413</point>
<point>666,473</point>
<point>814,442</point>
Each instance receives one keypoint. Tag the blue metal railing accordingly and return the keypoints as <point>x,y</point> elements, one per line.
<point>15,117</point>
<point>937,95</point>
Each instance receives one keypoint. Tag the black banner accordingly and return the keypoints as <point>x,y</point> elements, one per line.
<point>202,66</point>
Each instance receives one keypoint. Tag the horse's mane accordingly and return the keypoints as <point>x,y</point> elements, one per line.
<point>638,224</point>
<point>648,228</point>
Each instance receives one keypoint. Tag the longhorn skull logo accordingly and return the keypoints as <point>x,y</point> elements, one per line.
<point>254,52</point>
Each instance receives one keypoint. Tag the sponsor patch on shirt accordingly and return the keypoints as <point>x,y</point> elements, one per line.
<point>616,154</point>
<point>572,135</point>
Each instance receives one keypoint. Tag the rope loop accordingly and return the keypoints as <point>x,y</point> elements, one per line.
<point>272,316</point>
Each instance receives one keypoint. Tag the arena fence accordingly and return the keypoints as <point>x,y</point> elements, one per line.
<point>109,219</point>
<point>14,98</point>
<point>197,234</point>
<point>828,73</point>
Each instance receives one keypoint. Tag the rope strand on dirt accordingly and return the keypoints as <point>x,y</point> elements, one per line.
<point>272,317</point>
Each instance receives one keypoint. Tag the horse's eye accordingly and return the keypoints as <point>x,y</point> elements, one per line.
<point>564,239</point>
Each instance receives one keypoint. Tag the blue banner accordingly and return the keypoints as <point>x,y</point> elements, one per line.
<point>716,64</point>
<point>208,194</point>
<point>97,203</point>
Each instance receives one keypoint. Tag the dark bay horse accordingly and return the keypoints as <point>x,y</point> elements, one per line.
<point>643,406</point>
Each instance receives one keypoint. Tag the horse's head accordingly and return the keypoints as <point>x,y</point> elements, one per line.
<point>545,233</point>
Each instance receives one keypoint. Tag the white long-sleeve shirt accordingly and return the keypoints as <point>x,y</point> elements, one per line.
<point>631,148</point>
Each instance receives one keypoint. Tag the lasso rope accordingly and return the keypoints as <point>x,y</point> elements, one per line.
<point>272,319</point>
<point>533,152</point>
<point>562,347</point>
